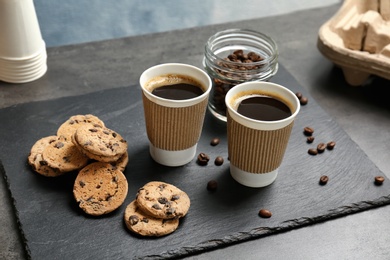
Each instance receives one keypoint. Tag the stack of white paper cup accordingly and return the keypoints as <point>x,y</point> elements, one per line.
<point>22,49</point>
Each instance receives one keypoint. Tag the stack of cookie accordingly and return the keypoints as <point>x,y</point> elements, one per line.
<point>83,143</point>
<point>157,209</point>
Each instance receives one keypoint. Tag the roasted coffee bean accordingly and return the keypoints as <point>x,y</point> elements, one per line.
<point>310,139</point>
<point>324,180</point>
<point>308,131</point>
<point>214,141</point>
<point>299,95</point>
<point>379,180</point>
<point>265,213</point>
<point>212,185</point>
<point>203,159</point>
<point>312,151</point>
<point>303,101</point>
<point>331,145</point>
<point>218,160</point>
<point>321,147</point>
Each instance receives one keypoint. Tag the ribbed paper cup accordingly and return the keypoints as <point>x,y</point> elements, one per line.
<point>20,35</point>
<point>174,126</point>
<point>256,148</point>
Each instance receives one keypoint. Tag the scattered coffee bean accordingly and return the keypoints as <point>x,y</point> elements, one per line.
<point>214,141</point>
<point>312,151</point>
<point>212,185</point>
<point>299,95</point>
<point>203,159</point>
<point>331,145</point>
<point>218,160</point>
<point>308,131</point>
<point>265,213</point>
<point>379,180</point>
<point>324,180</point>
<point>303,101</point>
<point>321,147</point>
<point>310,139</point>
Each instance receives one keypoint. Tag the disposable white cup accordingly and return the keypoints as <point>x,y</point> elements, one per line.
<point>163,117</point>
<point>20,35</point>
<point>256,148</point>
<point>17,78</point>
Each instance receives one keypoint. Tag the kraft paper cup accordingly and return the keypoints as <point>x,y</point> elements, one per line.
<point>256,148</point>
<point>174,126</point>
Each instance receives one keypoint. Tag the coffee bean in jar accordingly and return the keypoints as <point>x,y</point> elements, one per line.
<point>236,56</point>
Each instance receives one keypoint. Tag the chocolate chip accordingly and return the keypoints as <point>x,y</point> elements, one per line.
<point>175,197</point>
<point>303,101</point>
<point>42,163</point>
<point>162,187</point>
<point>170,211</point>
<point>212,185</point>
<point>310,139</point>
<point>133,219</point>
<point>145,219</point>
<point>156,206</point>
<point>106,132</point>
<point>331,145</point>
<point>324,180</point>
<point>308,131</point>
<point>265,213</point>
<point>82,184</point>
<point>162,200</point>
<point>114,134</point>
<point>379,180</point>
<point>59,145</point>
<point>218,160</point>
<point>321,147</point>
<point>312,151</point>
<point>93,130</point>
<point>203,159</point>
<point>214,141</point>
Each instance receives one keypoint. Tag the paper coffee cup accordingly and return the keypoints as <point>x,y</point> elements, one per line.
<point>174,126</point>
<point>256,148</point>
<point>20,35</point>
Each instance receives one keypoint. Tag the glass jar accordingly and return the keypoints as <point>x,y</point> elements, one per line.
<point>235,56</point>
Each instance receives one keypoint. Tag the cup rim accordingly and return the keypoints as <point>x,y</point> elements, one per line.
<point>259,85</point>
<point>174,68</point>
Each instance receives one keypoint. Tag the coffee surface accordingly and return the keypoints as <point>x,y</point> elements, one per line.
<point>179,91</point>
<point>264,108</point>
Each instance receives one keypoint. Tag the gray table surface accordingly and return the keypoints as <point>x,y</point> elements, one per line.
<point>362,112</point>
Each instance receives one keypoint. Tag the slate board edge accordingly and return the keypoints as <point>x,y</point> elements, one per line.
<point>16,213</point>
<point>260,232</point>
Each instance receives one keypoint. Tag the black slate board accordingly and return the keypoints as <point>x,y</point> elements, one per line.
<point>55,228</point>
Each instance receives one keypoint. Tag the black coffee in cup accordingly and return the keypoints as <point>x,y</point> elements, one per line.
<point>264,108</point>
<point>176,87</point>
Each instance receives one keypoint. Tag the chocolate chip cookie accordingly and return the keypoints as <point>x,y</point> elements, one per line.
<point>36,161</point>
<point>163,200</point>
<point>100,188</point>
<point>140,223</point>
<point>100,143</point>
<point>69,127</point>
<point>63,155</point>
